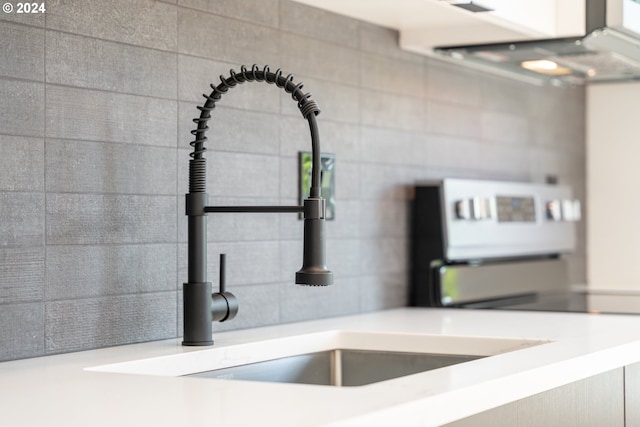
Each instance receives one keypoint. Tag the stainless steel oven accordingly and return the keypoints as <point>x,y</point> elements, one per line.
<point>492,244</point>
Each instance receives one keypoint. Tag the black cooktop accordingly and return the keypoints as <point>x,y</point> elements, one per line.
<point>576,302</point>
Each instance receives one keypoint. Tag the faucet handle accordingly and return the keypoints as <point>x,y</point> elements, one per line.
<point>223,273</point>
<point>224,305</point>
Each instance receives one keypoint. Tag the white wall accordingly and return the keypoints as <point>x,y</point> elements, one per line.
<point>613,187</point>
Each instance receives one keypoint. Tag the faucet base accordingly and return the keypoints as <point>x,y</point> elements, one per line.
<point>196,343</point>
<point>197,314</point>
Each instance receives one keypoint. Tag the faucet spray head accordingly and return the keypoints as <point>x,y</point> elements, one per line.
<point>314,272</point>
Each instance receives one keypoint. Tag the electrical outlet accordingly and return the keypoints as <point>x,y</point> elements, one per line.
<point>327,180</point>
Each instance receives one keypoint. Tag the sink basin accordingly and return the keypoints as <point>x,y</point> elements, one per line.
<point>338,367</point>
<point>337,358</point>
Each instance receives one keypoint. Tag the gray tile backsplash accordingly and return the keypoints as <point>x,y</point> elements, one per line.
<point>265,12</point>
<point>77,324</point>
<point>109,270</point>
<point>21,274</point>
<point>22,219</point>
<point>319,59</point>
<point>22,52</point>
<point>22,330</point>
<point>219,37</point>
<point>22,109</point>
<point>98,100</point>
<point>93,63</point>
<point>148,23</point>
<point>82,219</point>
<point>15,153</point>
<point>96,115</point>
<point>103,167</point>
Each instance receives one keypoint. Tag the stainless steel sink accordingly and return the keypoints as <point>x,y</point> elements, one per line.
<point>340,367</point>
<point>334,357</point>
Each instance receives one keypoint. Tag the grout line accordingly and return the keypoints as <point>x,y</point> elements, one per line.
<point>44,181</point>
<point>119,42</point>
<point>625,397</point>
<point>178,151</point>
<point>104,193</point>
<point>208,12</point>
<point>281,116</point>
<point>21,24</point>
<point>111,143</point>
<point>20,79</point>
<point>67,86</point>
<point>118,295</point>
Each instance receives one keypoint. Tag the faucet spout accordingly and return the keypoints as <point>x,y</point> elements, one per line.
<point>198,310</point>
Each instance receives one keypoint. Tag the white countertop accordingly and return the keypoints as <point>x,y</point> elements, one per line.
<point>59,391</point>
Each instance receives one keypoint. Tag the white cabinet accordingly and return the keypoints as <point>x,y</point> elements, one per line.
<point>424,24</point>
<point>593,402</point>
<point>613,194</point>
<point>632,394</point>
<point>610,399</point>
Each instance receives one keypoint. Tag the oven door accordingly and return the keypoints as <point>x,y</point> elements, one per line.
<point>497,283</point>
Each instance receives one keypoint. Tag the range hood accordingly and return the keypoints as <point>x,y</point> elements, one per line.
<point>609,51</point>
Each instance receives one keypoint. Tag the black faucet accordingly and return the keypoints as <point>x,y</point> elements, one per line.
<point>201,306</point>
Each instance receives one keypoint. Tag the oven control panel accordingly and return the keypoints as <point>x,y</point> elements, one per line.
<point>564,210</point>
<point>474,208</point>
<point>491,219</point>
<point>516,209</point>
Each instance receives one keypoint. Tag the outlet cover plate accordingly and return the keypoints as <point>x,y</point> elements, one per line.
<point>327,180</point>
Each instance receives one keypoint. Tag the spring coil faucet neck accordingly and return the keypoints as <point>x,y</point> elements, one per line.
<point>201,306</point>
